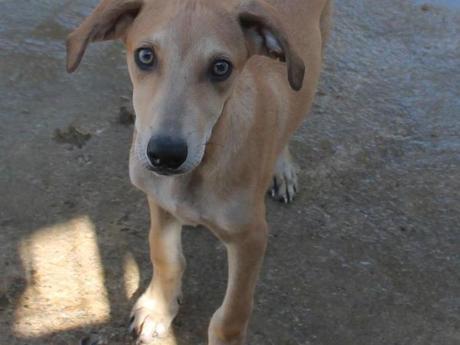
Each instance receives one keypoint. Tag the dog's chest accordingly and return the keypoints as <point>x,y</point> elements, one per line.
<point>188,211</point>
<point>177,195</point>
<point>203,206</point>
<point>186,203</point>
<point>193,201</point>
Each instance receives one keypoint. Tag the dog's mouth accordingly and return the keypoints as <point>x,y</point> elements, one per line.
<point>165,171</point>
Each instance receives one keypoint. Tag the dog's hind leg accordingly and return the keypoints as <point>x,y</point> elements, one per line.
<point>154,312</point>
<point>285,184</point>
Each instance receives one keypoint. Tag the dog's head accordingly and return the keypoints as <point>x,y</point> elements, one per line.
<point>183,58</point>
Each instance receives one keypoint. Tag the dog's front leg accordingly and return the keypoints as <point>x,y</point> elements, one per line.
<point>245,250</point>
<point>155,310</point>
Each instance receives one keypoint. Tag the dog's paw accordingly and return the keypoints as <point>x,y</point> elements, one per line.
<point>285,184</point>
<point>151,319</point>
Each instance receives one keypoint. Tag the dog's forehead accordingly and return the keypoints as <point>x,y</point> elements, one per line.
<point>188,25</point>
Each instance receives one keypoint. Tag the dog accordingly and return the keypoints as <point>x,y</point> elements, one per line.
<point>219,88</point>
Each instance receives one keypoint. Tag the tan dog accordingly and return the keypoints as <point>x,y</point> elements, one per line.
<point>219,87</point>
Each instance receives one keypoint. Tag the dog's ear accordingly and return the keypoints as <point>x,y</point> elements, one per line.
<point>265,35</point>
<point>109,21</point>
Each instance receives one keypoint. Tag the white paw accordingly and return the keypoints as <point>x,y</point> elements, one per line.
<point>151,319</point>
<point>285,184</point>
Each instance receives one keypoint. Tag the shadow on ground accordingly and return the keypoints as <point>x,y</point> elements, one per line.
<point>368,254</point>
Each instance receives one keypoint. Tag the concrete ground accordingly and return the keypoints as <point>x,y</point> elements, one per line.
<point>368,253</point>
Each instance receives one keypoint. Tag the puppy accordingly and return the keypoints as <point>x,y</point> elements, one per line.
<point>219,88</point>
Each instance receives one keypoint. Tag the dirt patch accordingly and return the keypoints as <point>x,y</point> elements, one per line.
<point>92,339</point>
<point>72,136</point>
<point>4,302</point>
<point>126,117</point>
<point>425,8</point>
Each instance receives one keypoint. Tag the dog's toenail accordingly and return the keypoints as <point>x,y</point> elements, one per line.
<point>133,331</point>
<point>275,185</point>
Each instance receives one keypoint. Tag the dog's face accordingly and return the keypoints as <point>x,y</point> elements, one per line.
<point>182,71</point>
<point>183,59</point>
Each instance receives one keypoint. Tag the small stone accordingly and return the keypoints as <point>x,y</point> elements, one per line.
<point>425,7</point>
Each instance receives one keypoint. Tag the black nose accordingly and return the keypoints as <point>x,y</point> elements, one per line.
<point>166,152</point>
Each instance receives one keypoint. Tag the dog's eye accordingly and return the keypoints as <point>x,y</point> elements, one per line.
<point>221,70</point>
<point>145,58</point>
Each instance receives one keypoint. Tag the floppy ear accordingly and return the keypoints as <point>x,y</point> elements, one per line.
<point>109,21</point>
<point>265,35</point>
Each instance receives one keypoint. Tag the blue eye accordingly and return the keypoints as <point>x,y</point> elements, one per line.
<point>145,58</point>
<point>221,70</point>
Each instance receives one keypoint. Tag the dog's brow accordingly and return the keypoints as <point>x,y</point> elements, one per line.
<point>148,42</point>
<point>213,48</point>
<point>219,54</point>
